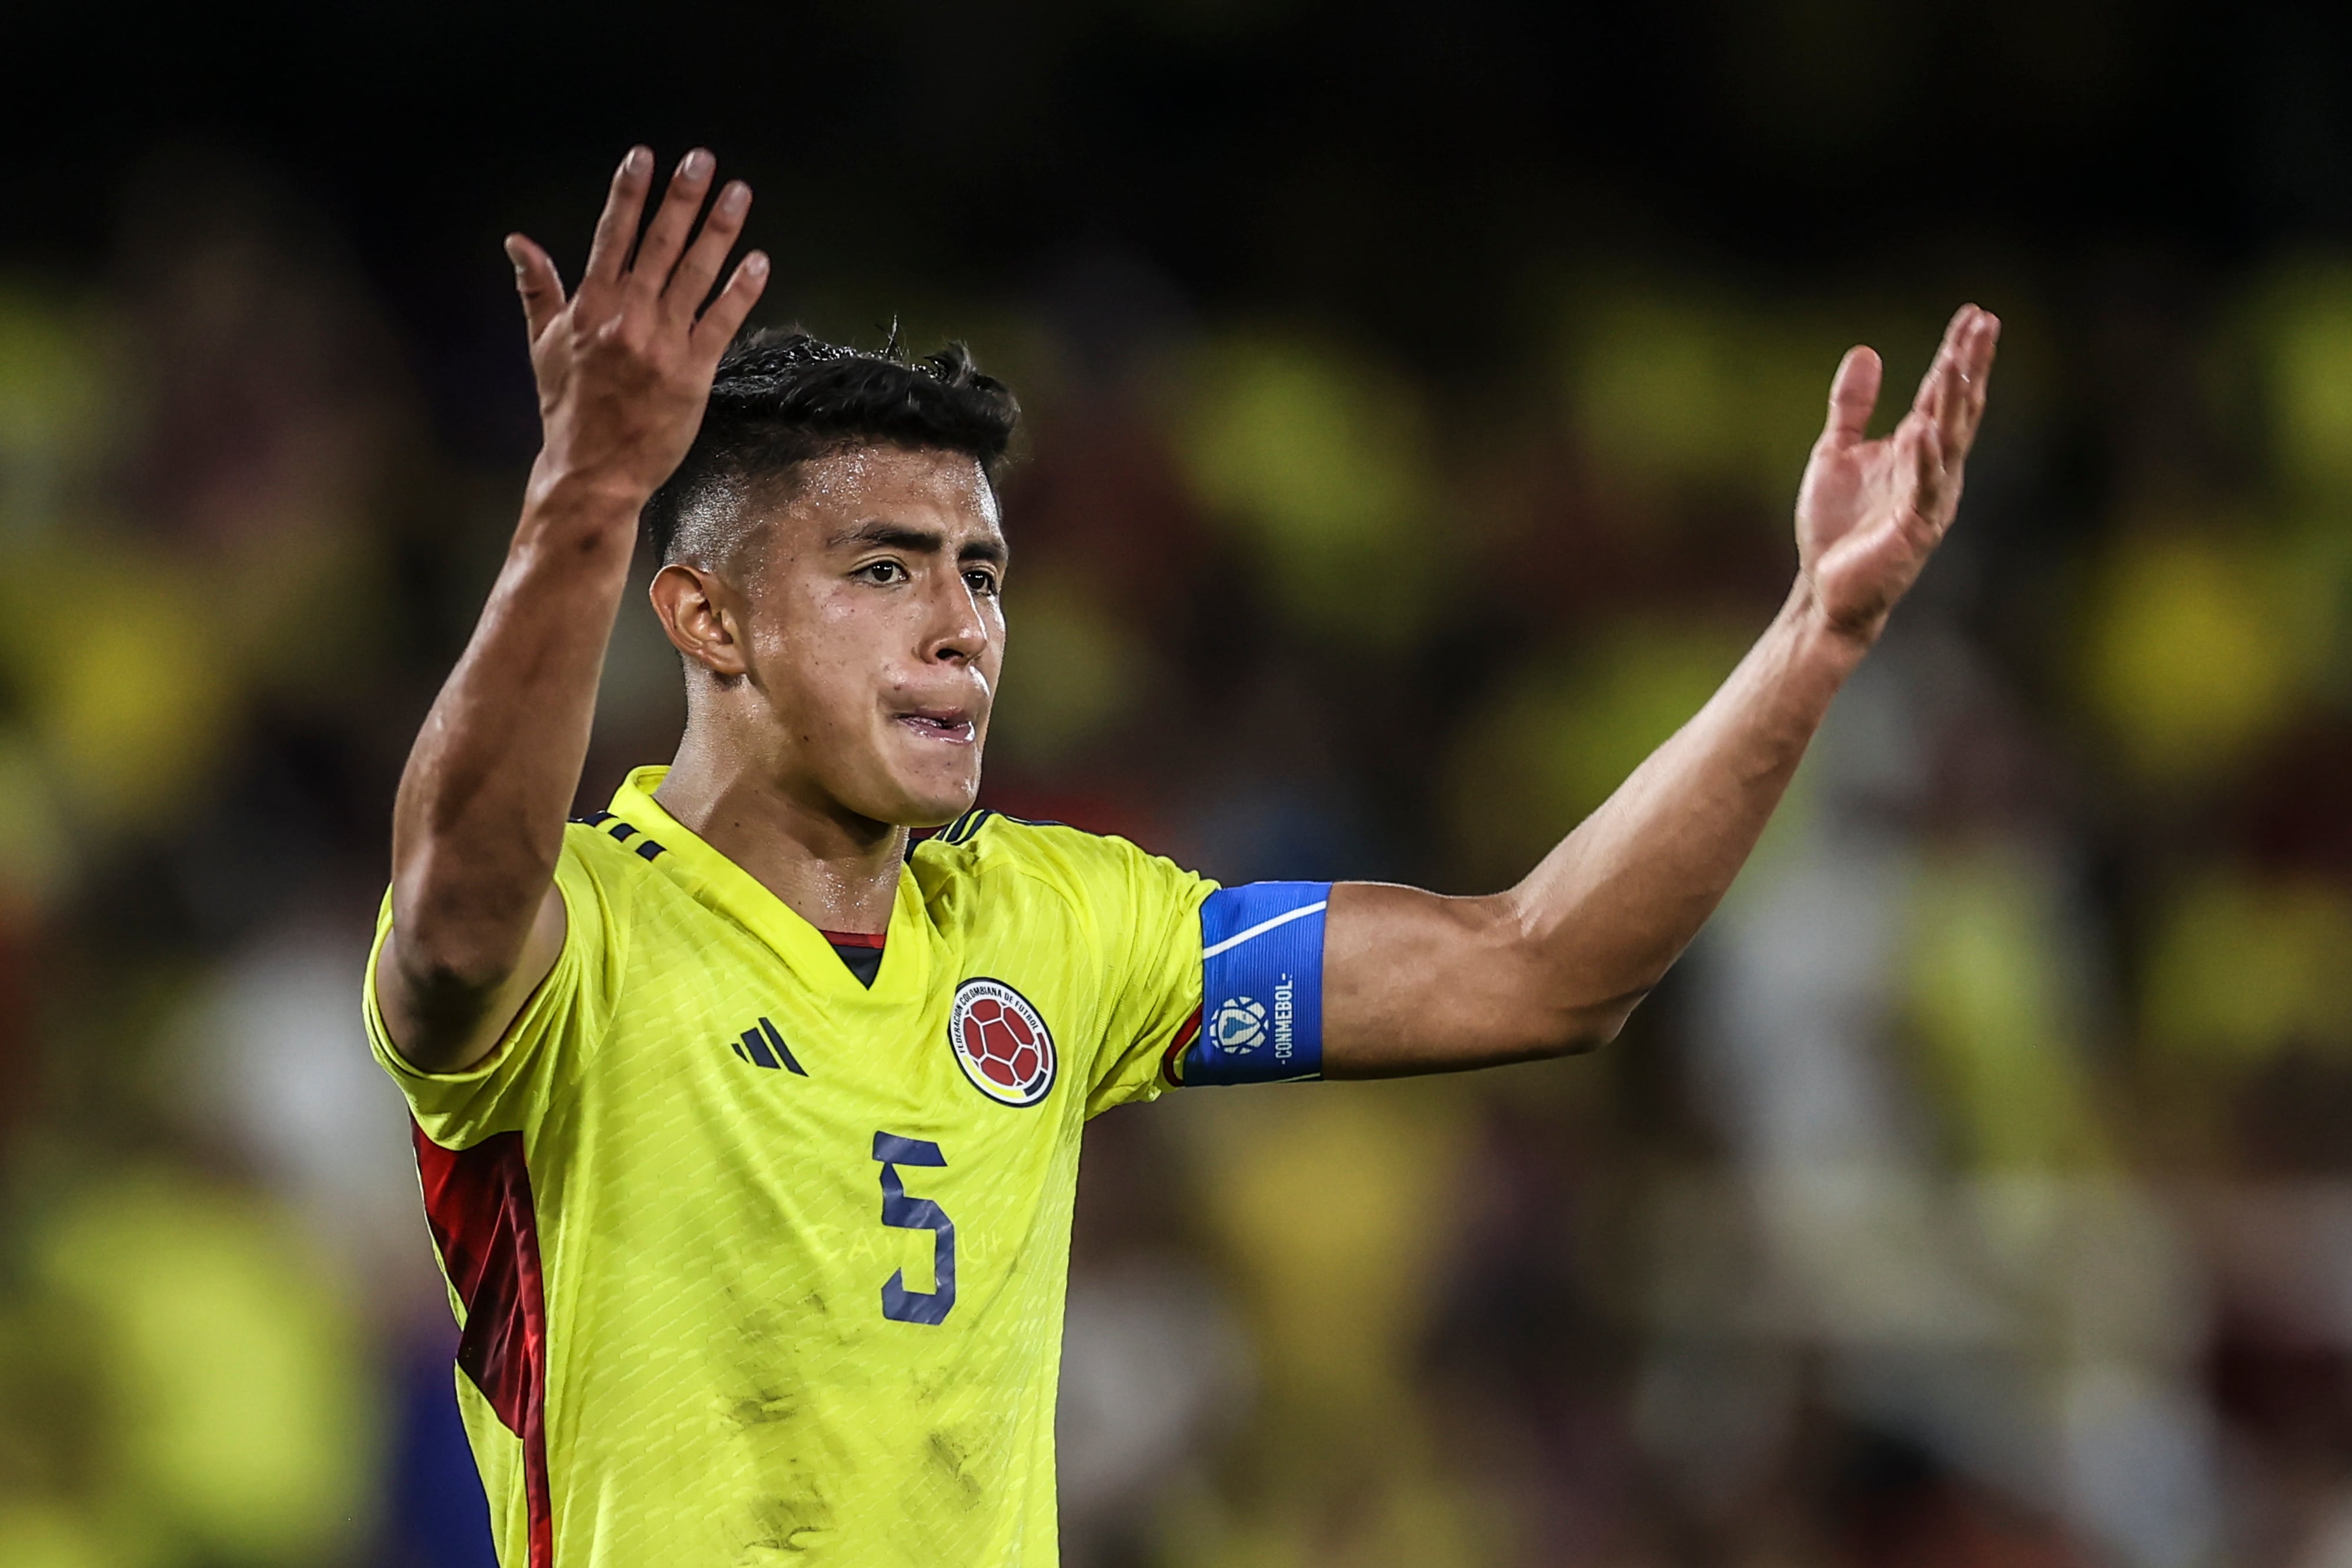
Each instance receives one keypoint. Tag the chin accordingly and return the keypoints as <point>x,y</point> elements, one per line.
<point>919,786</point>
<point>935,806</point>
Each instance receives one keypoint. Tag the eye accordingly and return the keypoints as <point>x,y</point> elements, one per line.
<point>981,580</point>
<point>881,572</point>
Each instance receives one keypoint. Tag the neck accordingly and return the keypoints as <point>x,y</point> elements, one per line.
<point>833,868</point>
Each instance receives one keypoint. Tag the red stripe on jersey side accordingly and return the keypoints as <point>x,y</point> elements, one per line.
<point>478,1203</point>
<point>1175,1051</point>
<point>854,938</point>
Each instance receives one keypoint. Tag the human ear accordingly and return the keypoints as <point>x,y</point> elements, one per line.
<point>693,607</point>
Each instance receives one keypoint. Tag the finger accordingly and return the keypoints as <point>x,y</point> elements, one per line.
<point>537,281</point>
<point>618,229</point>
<point>1920,456</point>
<point>1853,393</point>
<point>725,318</point>
<point>1974,357</point>
<point>1950,393</point>
<point>673,221</point>
<point>690,285</point>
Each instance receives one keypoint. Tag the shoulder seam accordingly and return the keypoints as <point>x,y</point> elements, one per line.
<point>1011,865</point>
<point>618,897</point>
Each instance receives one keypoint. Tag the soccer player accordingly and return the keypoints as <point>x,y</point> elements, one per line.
<point>747,1120</point>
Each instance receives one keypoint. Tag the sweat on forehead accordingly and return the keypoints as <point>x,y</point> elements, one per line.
<point>839,492</point>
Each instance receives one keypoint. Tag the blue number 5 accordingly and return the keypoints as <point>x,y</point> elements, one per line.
<point>900,1303</point>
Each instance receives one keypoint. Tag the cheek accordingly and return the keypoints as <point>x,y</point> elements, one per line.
<point>824,656</point>
<point>849,628</point>
<point>992,658</point>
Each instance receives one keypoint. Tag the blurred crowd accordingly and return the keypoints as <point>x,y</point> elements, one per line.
<point>1977,1191</point>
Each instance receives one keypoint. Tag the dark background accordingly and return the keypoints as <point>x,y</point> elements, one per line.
<point>1399,168</point>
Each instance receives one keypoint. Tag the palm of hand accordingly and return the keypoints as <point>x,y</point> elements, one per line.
<point>1870,513</point>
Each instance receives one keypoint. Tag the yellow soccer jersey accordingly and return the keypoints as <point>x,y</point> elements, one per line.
<point>755,1263</point>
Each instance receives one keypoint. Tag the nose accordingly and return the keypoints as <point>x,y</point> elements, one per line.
<point>958,631</point>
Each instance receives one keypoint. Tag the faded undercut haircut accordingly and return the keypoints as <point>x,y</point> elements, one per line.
<point>783,399</point>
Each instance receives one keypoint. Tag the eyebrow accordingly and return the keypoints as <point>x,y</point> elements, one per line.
<point>916,541</point>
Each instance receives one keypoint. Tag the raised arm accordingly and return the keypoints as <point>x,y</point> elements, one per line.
<point>1417,983</point>
<point>623,369</point>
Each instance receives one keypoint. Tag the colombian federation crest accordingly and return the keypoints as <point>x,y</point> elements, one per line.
<point>1000,1043</point>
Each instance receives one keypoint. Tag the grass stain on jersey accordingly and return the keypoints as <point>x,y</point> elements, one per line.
<point>781,1524</point>
<point>948,1455</point>
<point>763,1408</point>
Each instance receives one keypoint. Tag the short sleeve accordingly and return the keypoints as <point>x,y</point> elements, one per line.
<point>1158,1003</point>
<point>507,1091</point>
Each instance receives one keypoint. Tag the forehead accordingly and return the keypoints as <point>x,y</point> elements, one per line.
<point>940,491</point>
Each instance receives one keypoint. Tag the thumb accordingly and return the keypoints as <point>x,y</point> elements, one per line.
<point>1853,393</point>
<point>536,281</point>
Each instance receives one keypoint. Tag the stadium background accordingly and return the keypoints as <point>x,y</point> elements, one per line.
<point>1416,398</point>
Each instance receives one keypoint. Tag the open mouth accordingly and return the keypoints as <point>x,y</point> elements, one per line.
<point>953,726</point>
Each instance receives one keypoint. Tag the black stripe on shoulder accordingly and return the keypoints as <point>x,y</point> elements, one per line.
<point>621,833</point>
<point>966,828</point>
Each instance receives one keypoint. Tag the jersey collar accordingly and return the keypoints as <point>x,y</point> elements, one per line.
<point>728,888</point>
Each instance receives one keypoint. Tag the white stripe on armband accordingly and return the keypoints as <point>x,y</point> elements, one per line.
<point>1262,927</point>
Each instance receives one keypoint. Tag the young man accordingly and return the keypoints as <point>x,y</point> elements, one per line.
<point>749,1126</point>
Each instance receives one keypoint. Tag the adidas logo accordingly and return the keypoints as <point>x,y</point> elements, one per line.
<point>763,1047</point>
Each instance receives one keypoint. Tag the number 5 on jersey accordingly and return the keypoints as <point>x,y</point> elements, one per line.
<point>898,1303</point>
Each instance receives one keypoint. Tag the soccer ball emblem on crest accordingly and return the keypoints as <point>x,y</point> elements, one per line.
<point>1240,1023</point>
<point>1000,1043</point>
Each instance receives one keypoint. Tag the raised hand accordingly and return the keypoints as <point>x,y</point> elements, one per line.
<point>623,368</point>
<point>624,364</point>
<point>1870,513</point>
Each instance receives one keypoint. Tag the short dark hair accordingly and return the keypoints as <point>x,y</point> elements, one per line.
<point>781,398</point>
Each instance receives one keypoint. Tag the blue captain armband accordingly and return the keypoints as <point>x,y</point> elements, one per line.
<point>1261,985</point>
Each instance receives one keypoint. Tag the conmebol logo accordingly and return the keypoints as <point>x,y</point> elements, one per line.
<point>1239,1024</point>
